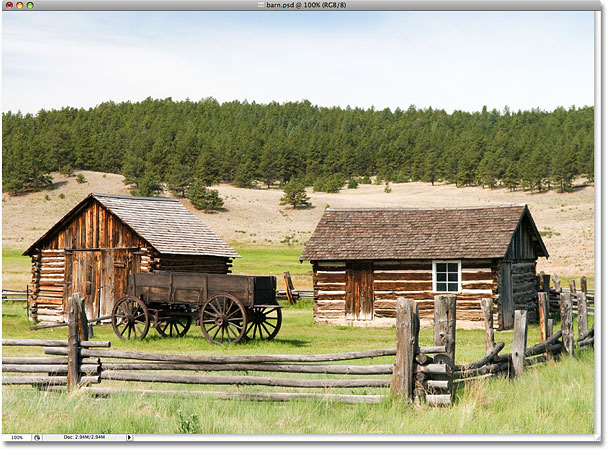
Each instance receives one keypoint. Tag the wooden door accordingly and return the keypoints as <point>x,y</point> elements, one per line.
<point>84,276</point>
<point>506,296</point>
<point>359,291</point>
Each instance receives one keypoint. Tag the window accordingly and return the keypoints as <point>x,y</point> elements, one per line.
<point>446,276</point>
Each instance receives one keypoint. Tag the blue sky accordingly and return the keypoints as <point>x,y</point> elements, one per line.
<point>449,60</point>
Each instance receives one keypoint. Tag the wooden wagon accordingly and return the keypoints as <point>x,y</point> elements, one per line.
<point>227,307</point>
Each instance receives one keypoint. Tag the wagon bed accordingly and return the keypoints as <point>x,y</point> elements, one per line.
<point>227,307</point>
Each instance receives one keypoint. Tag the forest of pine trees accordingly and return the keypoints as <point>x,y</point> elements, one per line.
<point>179,144</point>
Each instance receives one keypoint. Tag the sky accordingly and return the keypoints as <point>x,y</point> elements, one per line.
<point>446,60</point>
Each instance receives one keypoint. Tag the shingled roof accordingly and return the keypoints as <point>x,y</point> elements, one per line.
<point>162,222</point>
<point>376,234</point>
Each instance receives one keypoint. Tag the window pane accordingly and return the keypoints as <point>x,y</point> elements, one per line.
<point>453,267</point>
<point>453,287</point>
<point>441,267</point>
<point>453,276</point>
<point>441,276</point>
<point>441,287</point>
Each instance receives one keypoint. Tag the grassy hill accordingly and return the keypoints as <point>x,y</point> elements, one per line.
<point>270,237</point>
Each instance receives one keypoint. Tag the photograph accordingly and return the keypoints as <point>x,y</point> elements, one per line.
<point>290,224</point>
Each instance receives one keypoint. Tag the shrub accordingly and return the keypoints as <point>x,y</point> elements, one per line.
<point>295,195</point>
<point>47,198</point>
<point>366,180</point>
<point>330,184</point>
<point>204,198</point>
<point>80,179</point>
<point>352,184</point>
<point>61,196</point>
<point>387,188</point>
<point>67,170</point>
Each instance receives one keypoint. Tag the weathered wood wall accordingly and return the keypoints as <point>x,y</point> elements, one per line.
<point>93,254</point>
<point>410,279</point>
<point>525,287</point>
<point>94,227</point>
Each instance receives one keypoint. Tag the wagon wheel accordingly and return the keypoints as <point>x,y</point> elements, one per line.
<point>175,327</point>
<point>265,323</point>
<point>223,319</point>
<point>130,319</point>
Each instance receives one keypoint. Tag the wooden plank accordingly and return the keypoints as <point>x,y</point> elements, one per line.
<point>338,369</point>
<point>243,380</point>
<point>487,308</point>
<point>543,311</point>
<point>73,343</point>
<point>478,286</point>
<point>209,359</point>
<point>582,314</point>
<point>565,306</point>
<point>584,284</point>
<point>366,307</point>
<point>325,277</point>
<point>403,286</point>
<point>402,384</point>
<point>478,276</point>
<point>258,396</point>
<point>520,334</point>
<point>444,325</point>
<point>403,265</point>
<point>403,276</point>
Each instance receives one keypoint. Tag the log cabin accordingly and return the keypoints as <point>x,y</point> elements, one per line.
<point>364,259</point>
<point>105,238</point>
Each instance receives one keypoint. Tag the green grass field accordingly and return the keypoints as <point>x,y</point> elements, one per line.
<point>549,398</point>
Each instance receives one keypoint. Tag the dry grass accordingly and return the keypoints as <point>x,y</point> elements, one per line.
<point>253,217</point>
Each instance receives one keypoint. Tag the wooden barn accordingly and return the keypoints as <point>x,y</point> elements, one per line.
<point>364,259</point>
<point>95,247</point>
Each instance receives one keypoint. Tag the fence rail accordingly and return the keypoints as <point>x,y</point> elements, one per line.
<point>419,373</point>
<point>14,295</point>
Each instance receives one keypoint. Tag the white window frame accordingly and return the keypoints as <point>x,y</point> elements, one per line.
<point>447,261</point>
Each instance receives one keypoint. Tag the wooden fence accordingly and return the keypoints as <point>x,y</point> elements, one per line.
<point>418,373</point>
<point>15,295</point>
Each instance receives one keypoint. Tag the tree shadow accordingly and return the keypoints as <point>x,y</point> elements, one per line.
<point>56,185</point>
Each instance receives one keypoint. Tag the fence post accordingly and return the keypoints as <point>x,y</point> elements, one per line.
<point>488,320</point>
<point>565,309</point>
<point>444,332</point>
<point>402,384</point>
<point>83,323</point>
<point>520,336</point>
<point>73,342</point>
<point>584,284</point>
<point>543,315</point>
<point>557,284</point>
<point>582,314</point>
<point>549,327</point>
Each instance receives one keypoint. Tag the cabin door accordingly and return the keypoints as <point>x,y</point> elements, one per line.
<point>506,307</point>
<point>359,290</point>
<point>83,270</point>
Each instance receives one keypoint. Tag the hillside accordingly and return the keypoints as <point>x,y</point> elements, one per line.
<point>253,217</point>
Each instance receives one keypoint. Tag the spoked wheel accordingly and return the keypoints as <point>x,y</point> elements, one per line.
<point>130,318</point>
<point>265,323</point>
<point>174,327</point>
<point>223,319</point>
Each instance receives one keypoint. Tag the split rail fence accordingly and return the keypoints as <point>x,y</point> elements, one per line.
<point>418,373</point>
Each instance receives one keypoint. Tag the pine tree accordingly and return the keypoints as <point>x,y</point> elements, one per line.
<point>204,198</point>
<point>295,195</point>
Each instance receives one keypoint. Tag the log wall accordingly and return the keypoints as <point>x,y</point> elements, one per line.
<point>409,279</point>
<point>47,288</point>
